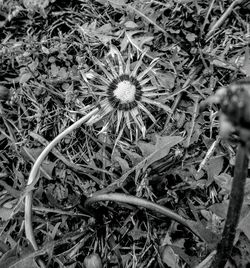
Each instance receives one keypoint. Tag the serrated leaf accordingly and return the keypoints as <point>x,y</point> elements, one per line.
<point>153,153</point>
<point>136,41</point>
<point>150,155</point>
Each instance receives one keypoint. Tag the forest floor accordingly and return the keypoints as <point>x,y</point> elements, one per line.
<point>139,71</point>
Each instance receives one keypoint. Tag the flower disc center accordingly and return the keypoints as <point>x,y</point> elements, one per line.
<point>125,92</point>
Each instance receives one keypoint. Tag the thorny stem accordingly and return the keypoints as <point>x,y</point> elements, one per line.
<point>225,246</point>
<point>34,176</point>
<point>129,199</point>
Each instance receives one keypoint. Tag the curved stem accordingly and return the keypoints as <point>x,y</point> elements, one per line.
<point>129,199</point>
<point>34,175</point>
<point>225,246</point>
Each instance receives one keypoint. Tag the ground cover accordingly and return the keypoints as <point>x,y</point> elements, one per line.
<point>141,73</point>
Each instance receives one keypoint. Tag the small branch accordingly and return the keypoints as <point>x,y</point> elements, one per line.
<point>209,153</point>
<point>129,199</point>
<point>223,17</point>
<point>225,246</point>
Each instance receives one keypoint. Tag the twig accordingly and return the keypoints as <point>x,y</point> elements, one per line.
<point>225,246</point>
<point>207,15</point>
<point>223,17</point>
<point>59,211</point>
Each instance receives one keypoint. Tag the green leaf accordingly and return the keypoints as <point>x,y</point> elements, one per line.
<point>18,257</point>
<point>153,153</point>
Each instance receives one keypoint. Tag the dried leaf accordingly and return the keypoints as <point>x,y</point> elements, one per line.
<point>25,77</point>
<point>33,4</point>
<point>170,258</point>
<point>220,209</point>
<point>123,163</point>
<point>18,257</point>
<point>117,3</point>
<point>224,180</point>
<point>244,225</point>
<point>191,37</point>
<point>5,213</point>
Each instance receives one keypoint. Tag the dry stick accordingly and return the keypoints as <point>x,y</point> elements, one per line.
<point>225,246</point>
<point>34,176</point>
<point>223,17</point>
<point>206,18</point>
<point>130,199</point>
<point>209,153</point>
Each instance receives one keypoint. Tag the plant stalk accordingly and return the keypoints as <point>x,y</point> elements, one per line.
<point>224,248</point>
<point>133,200</point>
<point>34,175</point>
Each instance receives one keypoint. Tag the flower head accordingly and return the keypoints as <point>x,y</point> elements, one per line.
<point>123,92</point>
<point>234,100</point>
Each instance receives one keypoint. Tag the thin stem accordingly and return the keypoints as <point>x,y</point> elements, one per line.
<point>225,246</point>
<point>223,17</point>
<point>34,176</point>
<point>129,199</point>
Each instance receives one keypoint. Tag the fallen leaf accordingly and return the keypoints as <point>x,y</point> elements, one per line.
<point>244,225</point>
<point>224,180</point>
<point>170,258</point>
<point>220,209</point>
<point>5,213</point>
<point>18,257</point>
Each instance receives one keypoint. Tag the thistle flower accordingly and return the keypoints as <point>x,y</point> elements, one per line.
<point>234,100</point>
<point>123,93</point>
